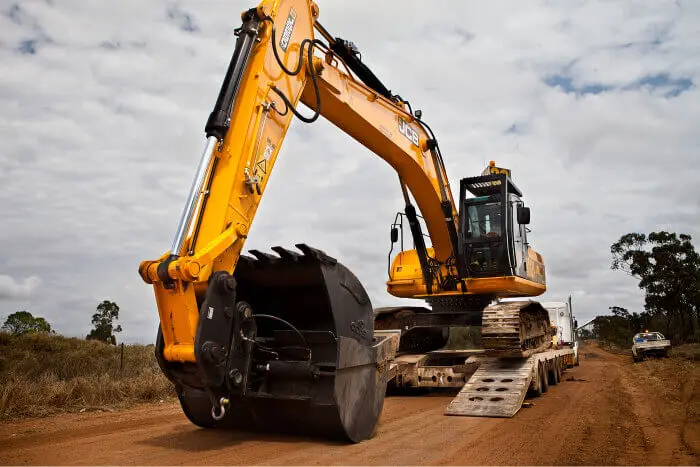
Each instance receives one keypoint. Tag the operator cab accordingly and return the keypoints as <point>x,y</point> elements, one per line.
<point>492,230</point>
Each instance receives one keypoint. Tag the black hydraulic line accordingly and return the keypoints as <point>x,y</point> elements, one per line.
<point>454,239</point>
<point>418,240</point>
<point>421,250</point>
<point>286,323</point>
<point>220,118</point>
<point>309,43</point>
<point>349,53</point>
<point>314,81</point>
<point>300,62</point>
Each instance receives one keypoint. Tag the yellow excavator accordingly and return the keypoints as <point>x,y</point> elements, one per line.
<point>286,341</point>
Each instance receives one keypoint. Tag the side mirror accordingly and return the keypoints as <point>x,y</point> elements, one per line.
<point>394,235</point>
<point>523,215</point>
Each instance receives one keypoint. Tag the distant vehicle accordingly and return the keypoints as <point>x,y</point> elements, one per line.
<point>562,319</point>
<point>649,343</point>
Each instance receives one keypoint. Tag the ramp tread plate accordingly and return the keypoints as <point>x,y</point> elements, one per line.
<point>496,389</point>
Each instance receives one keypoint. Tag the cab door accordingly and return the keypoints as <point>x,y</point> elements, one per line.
<point>519,239</point>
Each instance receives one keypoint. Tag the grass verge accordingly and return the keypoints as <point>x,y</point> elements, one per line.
<point>687,351</point>
<point>42,374</point>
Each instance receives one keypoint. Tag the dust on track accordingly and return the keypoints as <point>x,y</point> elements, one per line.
<point>606,411</point>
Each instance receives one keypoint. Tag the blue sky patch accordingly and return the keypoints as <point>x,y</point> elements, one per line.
<point>27,47</point>
<point>663,81</point>
<point>658,82</point>
<point>565,83</point>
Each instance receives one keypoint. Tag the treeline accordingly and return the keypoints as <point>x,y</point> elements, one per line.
<point>619,328</point>
<point>668,269</point>
<point>23,322</point>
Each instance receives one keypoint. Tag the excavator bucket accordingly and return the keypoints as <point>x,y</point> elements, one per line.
<point>316,367</point>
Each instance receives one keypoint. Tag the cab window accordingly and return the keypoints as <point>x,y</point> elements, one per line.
<point>484,221</point>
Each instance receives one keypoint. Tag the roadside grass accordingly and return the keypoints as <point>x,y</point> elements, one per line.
<point>42,374</point>
<point>687,351</point>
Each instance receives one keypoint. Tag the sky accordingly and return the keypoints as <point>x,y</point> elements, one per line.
<point>594,105</point>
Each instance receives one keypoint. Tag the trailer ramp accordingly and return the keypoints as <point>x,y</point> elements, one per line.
<point>496,389</point>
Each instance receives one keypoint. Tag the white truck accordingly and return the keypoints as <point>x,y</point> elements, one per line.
<point>649,343</point>
<point>561,316</point>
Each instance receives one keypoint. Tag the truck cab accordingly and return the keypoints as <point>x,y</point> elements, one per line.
<point>561,316</point>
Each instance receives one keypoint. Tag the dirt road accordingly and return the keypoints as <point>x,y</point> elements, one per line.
<point>606,411</point>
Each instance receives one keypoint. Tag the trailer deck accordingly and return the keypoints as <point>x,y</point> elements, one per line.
<point>490,386</point>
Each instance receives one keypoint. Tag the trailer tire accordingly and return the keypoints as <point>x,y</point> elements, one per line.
<point>544,382</point>
<point>536,390</point>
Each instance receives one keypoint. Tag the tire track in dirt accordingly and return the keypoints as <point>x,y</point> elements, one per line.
<point>599,414</point>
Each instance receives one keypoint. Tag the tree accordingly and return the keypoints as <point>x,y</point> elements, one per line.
<point>103,321</point>
<point>668,269</point>
<point>613,329</point>
<point>636,322</point>
<point>22,322</point>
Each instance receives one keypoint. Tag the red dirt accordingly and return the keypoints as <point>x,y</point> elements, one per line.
<point>606,411</point>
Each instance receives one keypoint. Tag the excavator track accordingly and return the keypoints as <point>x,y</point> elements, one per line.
<point>515,329</point>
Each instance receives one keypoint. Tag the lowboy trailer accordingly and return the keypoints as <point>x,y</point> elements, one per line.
<point>489,386</point>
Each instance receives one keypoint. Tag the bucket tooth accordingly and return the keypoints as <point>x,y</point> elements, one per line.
<point>316,254</point>
<point>246,260</point>
<point>264,257</point>
<point>286,254</point>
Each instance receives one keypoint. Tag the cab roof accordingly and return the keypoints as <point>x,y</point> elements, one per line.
<point>486,185</point>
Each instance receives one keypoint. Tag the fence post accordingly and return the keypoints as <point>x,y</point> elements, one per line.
<point>121,360</point>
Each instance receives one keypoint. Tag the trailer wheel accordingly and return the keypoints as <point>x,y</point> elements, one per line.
<point>536,390</point>
<point>544,382</point>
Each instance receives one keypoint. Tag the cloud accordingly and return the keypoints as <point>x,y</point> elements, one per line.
<point>10,289</point>
<point>182,19</point>
<point>593,105</point>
